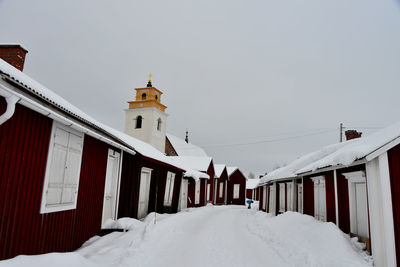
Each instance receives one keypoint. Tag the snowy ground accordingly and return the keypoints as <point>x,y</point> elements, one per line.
<point>214,236</point>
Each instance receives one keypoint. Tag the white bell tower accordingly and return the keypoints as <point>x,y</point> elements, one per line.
<point>145,119</point>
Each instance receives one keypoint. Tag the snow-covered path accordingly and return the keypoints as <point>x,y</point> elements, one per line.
<point>214,236</point>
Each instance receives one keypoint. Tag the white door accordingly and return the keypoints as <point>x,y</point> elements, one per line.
<point>208,192</point>
<point>111,186</point>
<point>184,194</point>
<point>197,192</point>
<point>300,198</point>
<point>361,210</point>
<point>144,191</point>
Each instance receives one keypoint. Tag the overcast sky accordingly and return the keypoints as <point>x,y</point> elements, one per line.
<point>258,83</point>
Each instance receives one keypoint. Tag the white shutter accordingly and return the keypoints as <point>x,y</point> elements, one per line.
<point>221,189</point>
<point>272,199</point>
<point>316,200</point>
<point>208,192</point>
<point>289,192</point>
<point>72,168</point>
<point>264,200</point>
<point>300,198</point>
<point>57,167</point>
<point>167,189</point>
<point>322,200</point>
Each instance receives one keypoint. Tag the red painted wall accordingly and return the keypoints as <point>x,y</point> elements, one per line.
<point>223,178</point>
<point>330,197</point>
<point>343,202</point>
<point>394,170</point>
<point>237,178</point>
<point>308,196</point>
<point>249,193</point>
<point>211,173</point>
<point>130,182</point>
<point>191,193</point>
<point>24,142</point>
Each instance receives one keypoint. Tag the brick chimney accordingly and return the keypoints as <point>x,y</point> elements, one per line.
<point>14,55</point>
<point>352,134</point>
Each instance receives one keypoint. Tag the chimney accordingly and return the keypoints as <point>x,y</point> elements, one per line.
<point>14,55</point>
<point>187,136</point>
<point>352,134</point>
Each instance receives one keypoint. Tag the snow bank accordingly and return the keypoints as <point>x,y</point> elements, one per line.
<point>303,240</point>
<point>52,259</point>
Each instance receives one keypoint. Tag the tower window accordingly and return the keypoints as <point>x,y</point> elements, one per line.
<point>139,122</point>
<point>144,96</point>
<point>159,124</point>
<point>156,97</point>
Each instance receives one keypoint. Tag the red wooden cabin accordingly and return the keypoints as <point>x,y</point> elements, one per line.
<point>221,183</point>
<point>236,186</point>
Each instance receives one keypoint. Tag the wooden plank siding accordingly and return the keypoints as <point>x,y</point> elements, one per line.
<point>237,178</point>
<point>24,144</point>
<point>130,181</point>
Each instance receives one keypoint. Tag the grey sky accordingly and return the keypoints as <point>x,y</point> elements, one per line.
<point>232,72</point>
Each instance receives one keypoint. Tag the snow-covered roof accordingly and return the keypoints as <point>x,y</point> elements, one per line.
<point>356,150</point>
<point>231,170</point>
<point>197,163</point>
<point>219,168</point>
<point>185,149</point>
<point>252,183</point>
<point>52,98</point>
<point>289,171</point>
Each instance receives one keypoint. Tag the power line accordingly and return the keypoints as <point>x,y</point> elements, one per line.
<point>271,140</point>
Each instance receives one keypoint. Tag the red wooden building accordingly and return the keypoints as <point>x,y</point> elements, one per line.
<point>352,184</point>
<point>236,186</point>
<point>251,188</point>
<point>63,174</point>
<point>221,182</point>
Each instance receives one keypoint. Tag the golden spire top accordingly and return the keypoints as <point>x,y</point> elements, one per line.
<point>150,77</point>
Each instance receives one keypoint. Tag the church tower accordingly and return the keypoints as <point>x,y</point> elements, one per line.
<point>145,118</point>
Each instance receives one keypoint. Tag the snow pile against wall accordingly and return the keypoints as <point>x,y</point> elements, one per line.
<point>295,235</point>
<point>358,149</point>
<point>185,149</point>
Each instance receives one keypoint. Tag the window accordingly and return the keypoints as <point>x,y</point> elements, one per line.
<point>169,189</point>
<point>319,198</point>
<point>300,198</point>
<point>236,190</point>
<point>139,122</point>
<point>144,96</point>
<point>289,197</point>
<point>159,124</point>
<point>221,189</point>
<point>208,192</point>
<point>60,189</point>
<point>156,97</point>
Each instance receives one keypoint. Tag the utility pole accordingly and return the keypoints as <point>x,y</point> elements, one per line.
<point>341,131</point>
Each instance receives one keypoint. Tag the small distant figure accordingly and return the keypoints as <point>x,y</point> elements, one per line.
<point>249,201</point>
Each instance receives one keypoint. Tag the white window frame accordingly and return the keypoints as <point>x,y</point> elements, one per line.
<point>221,189</point>
<point>264,200</point>
<point>208,192</point>
<point>272,198</point>
<point>60,207</point>
<point>317,199</point>
<point>236,191</point>
<point>300,198</point>
<point>169,189</point>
